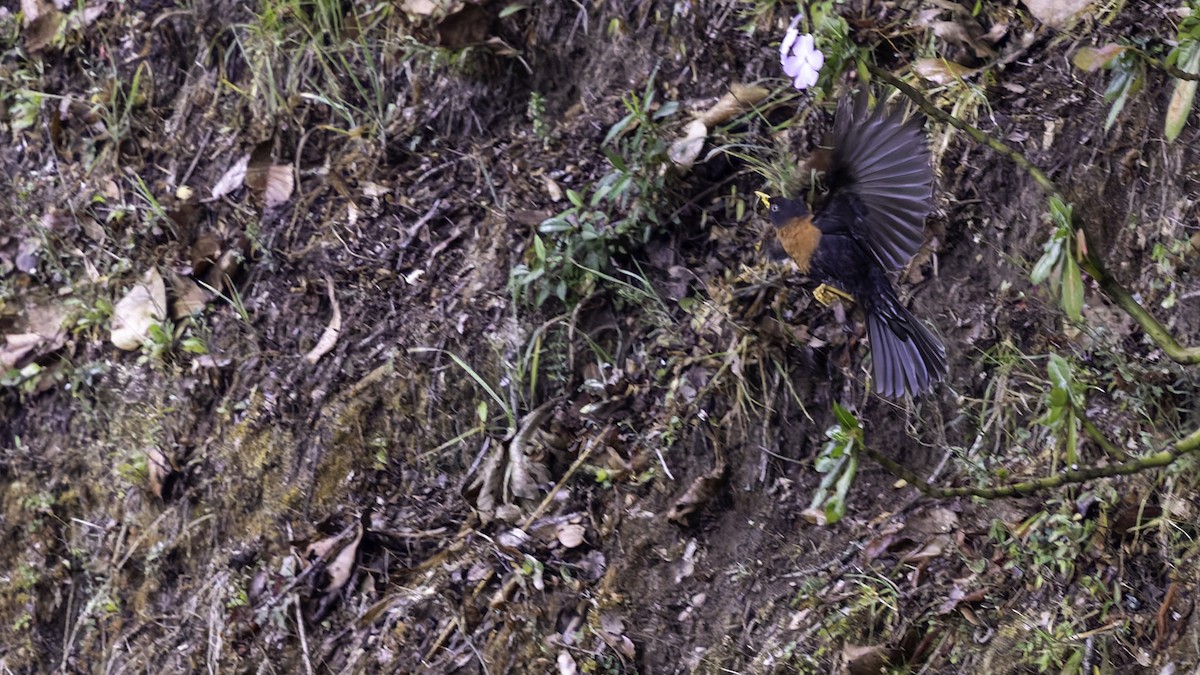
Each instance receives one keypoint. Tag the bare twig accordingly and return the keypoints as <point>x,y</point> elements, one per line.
<point>1186,445</point>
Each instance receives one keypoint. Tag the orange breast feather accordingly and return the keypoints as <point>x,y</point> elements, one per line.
<point>800,238</point>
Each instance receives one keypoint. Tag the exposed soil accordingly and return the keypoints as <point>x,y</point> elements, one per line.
<point>469,482</point>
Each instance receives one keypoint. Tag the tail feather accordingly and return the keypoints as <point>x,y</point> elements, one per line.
<point>906,356</point>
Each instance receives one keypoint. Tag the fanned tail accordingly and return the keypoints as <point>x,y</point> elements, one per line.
<point>906,355</point>
<point>883,158</point>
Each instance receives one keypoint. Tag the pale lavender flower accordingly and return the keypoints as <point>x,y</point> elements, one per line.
<point>800,58</point>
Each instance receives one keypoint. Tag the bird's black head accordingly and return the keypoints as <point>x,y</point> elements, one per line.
<point>783,210</point>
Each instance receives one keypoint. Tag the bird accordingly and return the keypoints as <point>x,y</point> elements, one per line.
<point>880,189</point>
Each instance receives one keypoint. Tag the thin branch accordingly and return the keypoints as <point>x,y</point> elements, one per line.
<point>1090,259</point>
<point>1183,446</point>
<point>977,135</point>
<point>1096,435</point>
<point>1172,70</point>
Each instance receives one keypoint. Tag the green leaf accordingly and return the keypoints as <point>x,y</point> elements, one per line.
<point>555,224</point>
<point>1054,415</point>
<point>1060,211</point>
<point>510,10</point>
<point>1045,265</point>
<point>846,418</point>
<point>1059,370</point>
<point>194,345</point>
<point>1072,288</point>
<point>575,197</point>
<point>539,248</point>
<point>617,128</point>
<point>1184,94</point>
<point>617,161</point>
<point>669,108</point>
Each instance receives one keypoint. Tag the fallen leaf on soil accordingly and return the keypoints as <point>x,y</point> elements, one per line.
<point>698,493</point>
<point>43,28</point>
<point>330,335</point>
<point>430,7</point>
<point>613,632</point>
<point>941,71</point>
<point>27,254</point>
<point>144,305</point>
<point>867,660</point>
<point>741,97</point>
<point>339,570</point>
<point>552,189</point>
<point>570,535</point>
<point>160,473</point>
<point>273,181</point>
<point>17,347</point>
<point>566,664</point>
<point>233,178</point>
<point>1057,13</point>
<point>190,297</point>
<point>1091,59</point>
<point>280,181</point>
<point>337,566</point>
<point>43,333</point>
<point>683,153</point>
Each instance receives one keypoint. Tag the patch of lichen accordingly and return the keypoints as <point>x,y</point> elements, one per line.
<point>256,464</point>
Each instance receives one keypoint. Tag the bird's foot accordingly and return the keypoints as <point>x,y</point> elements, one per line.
<point>826,294</point>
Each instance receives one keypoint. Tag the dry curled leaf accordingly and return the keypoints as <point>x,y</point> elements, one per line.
<point>143,306</point>
<point>330,335</point>
<point>1057,13</point>
<point>334,555</point>
<point>232,179</point>
<point>1091,59</point>
<point>273,181</point>
<point>702,489</point>
<point>570,535</point>
<point>741,97</point>
<point>160,473</point>
<point>941,71</point>
<point>683,152</point>
<point>42,30</point>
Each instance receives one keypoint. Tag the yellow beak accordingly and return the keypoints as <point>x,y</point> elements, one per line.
<point>764,198</point>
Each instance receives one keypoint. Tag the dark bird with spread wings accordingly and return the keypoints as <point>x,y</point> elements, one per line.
<point>880,190</point>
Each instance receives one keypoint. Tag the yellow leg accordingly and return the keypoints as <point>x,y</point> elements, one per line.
<point>826,294</point>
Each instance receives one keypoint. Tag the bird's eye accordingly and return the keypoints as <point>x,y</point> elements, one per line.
<point>774,208</point>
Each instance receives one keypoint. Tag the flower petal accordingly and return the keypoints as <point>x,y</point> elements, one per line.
<point>789,39</point>
<point>805,45</point>
<point>792,66</point>
<point>816,60</point>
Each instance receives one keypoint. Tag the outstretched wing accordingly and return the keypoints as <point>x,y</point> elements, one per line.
<point>883,159</point>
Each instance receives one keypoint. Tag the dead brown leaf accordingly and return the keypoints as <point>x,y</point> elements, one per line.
<point>683,152</point>
<point>570,535</point>
<point>1057,13</point>
<point>144,305</point>
<point>741,97</point>
<point>433,8</point>
<point>1091,59</point>
<point>233,178</point>
<point>160,472</point>
<point>43,28</point>
<point>941,71</point>
<point>329,336</point>
<point>699,493</point>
